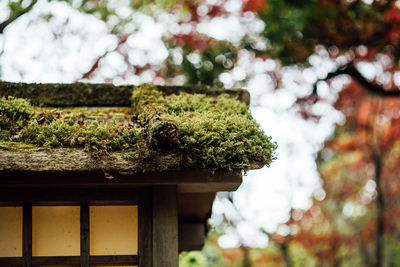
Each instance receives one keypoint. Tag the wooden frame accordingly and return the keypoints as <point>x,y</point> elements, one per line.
<point>166,201</point>
<point>83,198</point>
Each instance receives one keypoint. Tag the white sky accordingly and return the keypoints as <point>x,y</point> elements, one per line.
<point>32,53</point>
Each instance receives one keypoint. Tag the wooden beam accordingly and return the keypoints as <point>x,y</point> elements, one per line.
<point>114,260</point>
<point>145,231</point>
<point>75,162</point>
<point>85,243</point>
<point>96,196</point>
<point>11,261</point>
<point>195,207</point>
<point>67,260</point>
<point>27,234</point>
<point>165,226</point>
<point>187,180</point>
<point>191,236</point>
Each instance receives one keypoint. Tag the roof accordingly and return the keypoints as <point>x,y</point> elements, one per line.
<point>128,129</point>
<point>100,136</point>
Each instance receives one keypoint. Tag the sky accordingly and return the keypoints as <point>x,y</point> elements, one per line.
<point>60,51</point>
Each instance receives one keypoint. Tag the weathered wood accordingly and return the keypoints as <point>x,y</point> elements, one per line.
<point>165,226</point>
<point>72,159</point>
<point>64,159</point>
<point>187,180</point>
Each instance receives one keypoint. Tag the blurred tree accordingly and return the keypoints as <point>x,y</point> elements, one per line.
<point>355,220</point>
<point>353,34</point>
<point>15,10</point>
<point>358,165</point>
<point>347,32</point>
<point>350,227</point>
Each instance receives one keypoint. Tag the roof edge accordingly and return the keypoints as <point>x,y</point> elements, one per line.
<point>91,94</point>
<point>72,159</point>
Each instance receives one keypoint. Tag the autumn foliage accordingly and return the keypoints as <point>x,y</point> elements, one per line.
<point>356,221</point>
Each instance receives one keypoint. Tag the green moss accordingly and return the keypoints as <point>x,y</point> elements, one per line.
<point>150,111</point>
<point>214,132</point>
<point>97,137</point>
<point>18,147</point>
<point>64,95</point>
<point>96,130</point>
<point>15,113</point>
<point>88,94</point>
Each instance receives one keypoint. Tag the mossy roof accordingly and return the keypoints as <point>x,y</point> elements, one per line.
<point>89,127</point>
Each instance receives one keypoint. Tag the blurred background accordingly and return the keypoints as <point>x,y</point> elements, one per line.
<point>324,80</point>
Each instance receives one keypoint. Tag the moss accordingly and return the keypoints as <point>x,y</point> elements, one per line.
<point>86,94</point>
<point>214,132</point>
<point>15,113</point>
<point>96,130</point>
<point>92,136</point>
<point>89,114</point>
<point>64,95</point>
<point>18,147</point>
<point>150,111</point>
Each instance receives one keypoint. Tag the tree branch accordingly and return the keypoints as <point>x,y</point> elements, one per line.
<point>16,15</point>
<point>356,75</point>
<point>96,64</point>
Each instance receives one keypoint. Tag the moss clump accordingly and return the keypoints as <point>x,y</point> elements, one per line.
<point>90,94</point>
<point>99,130</point>
<point>64,95</point>
<point>213,132</point>
<point>15,113</point>
<point>150,111</point>
<point>95,137</point>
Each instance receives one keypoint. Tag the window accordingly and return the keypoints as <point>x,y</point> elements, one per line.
<point>113,230</point>
<point>11,232</point>
<point>75,233</point>
<point>55,231</point>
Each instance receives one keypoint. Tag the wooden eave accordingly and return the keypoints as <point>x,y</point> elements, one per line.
<point>78,170</point>
<point>34,172</point>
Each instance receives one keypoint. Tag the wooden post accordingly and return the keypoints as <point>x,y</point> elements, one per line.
<point>165,226</point>
<point>27,234</point>
<point>85,249</point>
